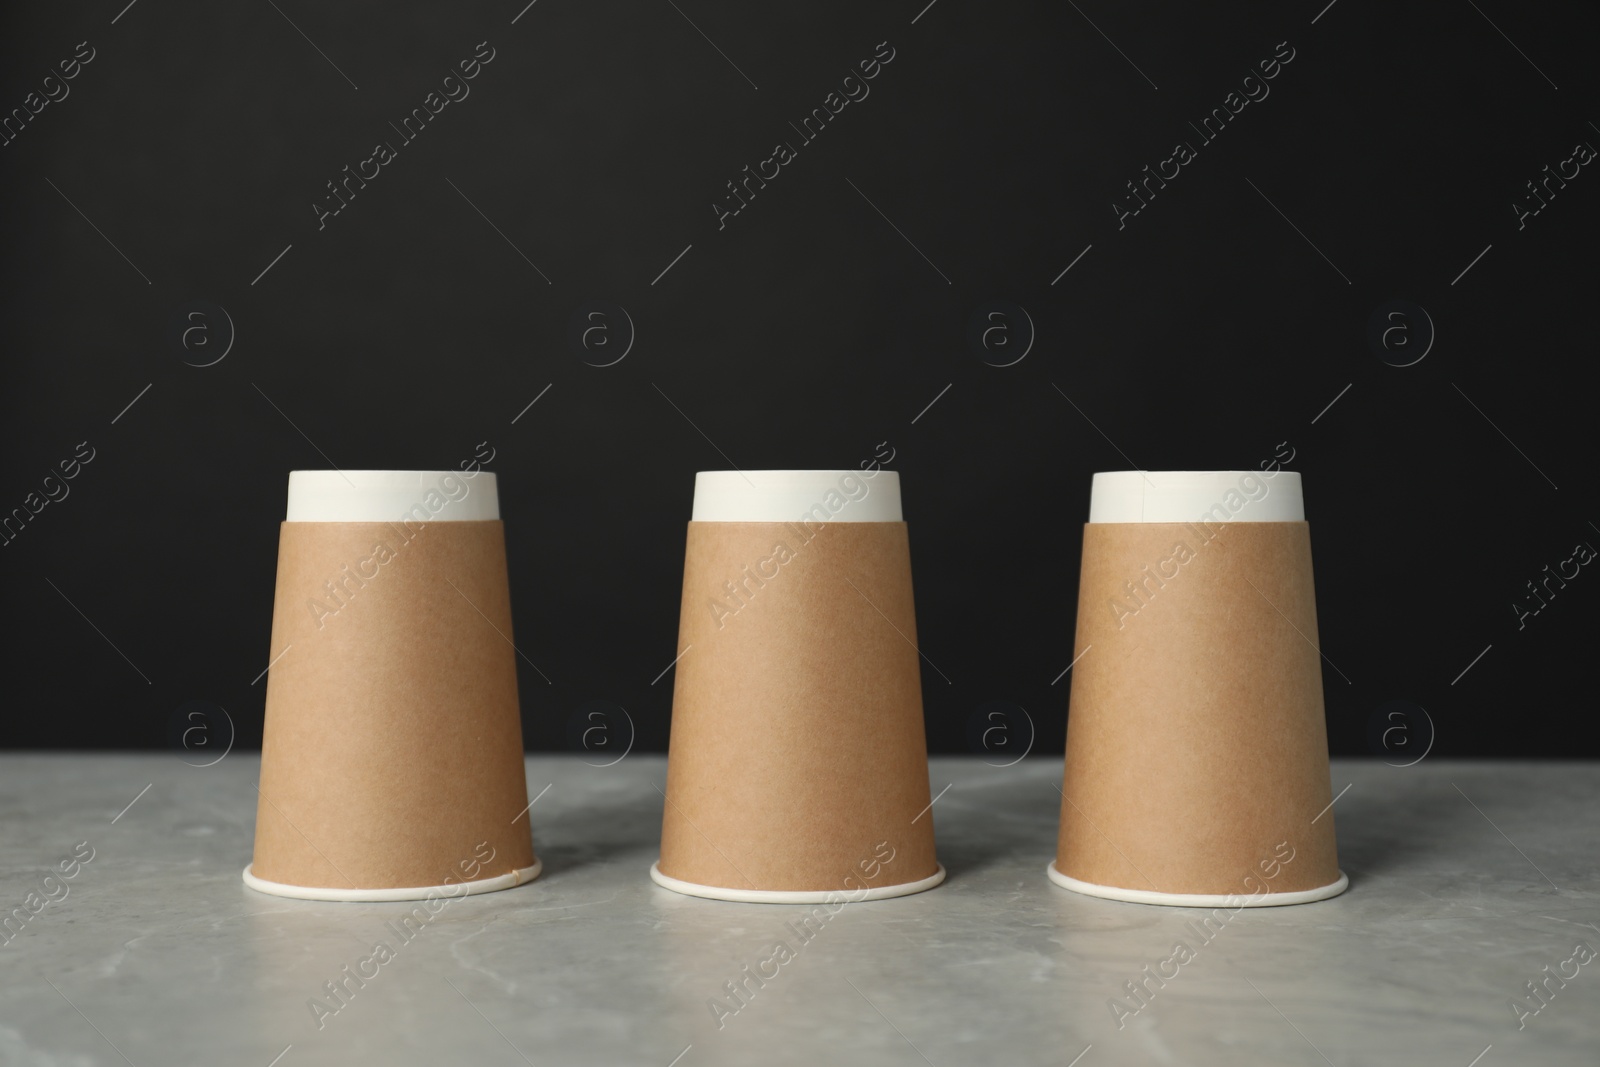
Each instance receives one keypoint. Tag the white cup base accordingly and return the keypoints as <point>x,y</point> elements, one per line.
<point>1197,900</point>
<point>781,896</point>
<point>460,889</point>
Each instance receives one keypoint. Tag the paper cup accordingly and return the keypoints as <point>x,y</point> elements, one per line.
<point>797,771</point>
<point>391,762</point>
<point>1197,755</point>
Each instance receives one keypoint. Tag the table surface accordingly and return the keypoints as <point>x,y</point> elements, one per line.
<point>1466,881</point>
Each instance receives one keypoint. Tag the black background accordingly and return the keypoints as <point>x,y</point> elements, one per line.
<point>806,331</point>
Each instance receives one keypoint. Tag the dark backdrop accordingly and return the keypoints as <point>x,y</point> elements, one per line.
<point>176,174</point>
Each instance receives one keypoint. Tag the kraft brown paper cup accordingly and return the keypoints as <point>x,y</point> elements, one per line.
<point>1197,755</point>
<point>797,771</point>
<point>391,763</point>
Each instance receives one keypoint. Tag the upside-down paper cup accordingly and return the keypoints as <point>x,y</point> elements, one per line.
<point>391,763</point>
<point>1197,755</point>
<point>797,770</point>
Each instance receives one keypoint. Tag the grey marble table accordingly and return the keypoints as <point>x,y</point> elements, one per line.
<point>1467,881</point>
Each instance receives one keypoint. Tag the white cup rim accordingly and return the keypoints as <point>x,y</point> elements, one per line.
<point>797,496</point>
<point>1196,496</point>
<point>392,495</point>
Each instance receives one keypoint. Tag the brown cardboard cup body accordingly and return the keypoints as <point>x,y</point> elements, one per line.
<point>1197,755</point>
<point>798,767</point>
<point>391,764</point>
